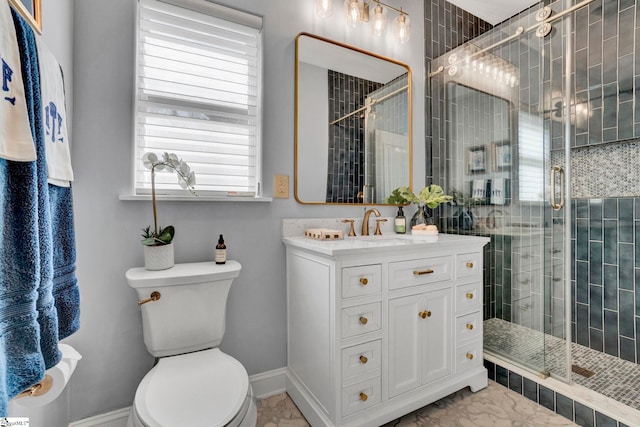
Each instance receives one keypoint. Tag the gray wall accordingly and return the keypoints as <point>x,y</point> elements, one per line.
<point>107,229</point>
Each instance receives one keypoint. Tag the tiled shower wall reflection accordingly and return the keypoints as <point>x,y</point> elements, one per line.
<point>346,138</point>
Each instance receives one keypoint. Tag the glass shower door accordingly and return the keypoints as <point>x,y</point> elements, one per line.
<point>504,96</point>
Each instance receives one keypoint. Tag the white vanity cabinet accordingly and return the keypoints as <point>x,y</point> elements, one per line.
<point>381,328</point>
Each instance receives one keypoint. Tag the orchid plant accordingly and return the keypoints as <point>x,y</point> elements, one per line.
<point>431,196</point>
<point>186,178</point>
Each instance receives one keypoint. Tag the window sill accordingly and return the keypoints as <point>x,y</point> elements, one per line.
<point>133,197</point>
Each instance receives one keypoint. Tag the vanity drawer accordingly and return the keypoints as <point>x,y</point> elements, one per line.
<point>468,296</point>
<point>361,359</point>
<point>361,280</point>
<point>468,327</point>
<point>361,319</point>
<point>468,264</point>
<point>419,272</point>
<point>468,356</point>
<point>360,396</point>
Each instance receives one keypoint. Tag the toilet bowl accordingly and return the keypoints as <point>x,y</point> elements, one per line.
<point>193,382</point>
<point>205,388</point>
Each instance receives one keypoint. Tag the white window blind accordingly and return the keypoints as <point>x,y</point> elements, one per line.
<point>531,157</point>
<point>198,96</point>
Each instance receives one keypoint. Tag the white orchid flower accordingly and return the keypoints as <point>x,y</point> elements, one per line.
<point>148,160</point>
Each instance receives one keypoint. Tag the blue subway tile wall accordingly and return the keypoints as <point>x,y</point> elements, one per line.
<point>346,138</point>
<point>607,299</point>
<point>446,27</point>
<point>575,411</point>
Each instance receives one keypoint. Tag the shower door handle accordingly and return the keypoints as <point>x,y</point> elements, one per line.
<point>557,171</point>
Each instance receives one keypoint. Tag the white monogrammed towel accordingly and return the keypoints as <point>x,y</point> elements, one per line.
<point>498,191</point>
<point>54,118</point>
<point>16,141</point>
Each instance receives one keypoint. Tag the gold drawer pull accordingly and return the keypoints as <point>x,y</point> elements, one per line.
<point>363,320</point>
<point>363,397</point>
<point>420,273</point>
<point>363,359</point>
<point>155,296</point>
<point>470,326</point>
<point>364,281</point>
<point>469,265</point>
<point>469,356</point>
<point>425,314</point>
<point>469,295</point>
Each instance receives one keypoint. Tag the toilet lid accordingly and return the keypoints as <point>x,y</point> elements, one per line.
<point>201,389</point>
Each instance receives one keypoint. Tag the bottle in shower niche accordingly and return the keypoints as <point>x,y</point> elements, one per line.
<point>400,223</point>
<point>221,251</point>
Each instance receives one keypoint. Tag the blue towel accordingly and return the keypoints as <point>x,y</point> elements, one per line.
<point>39,297</point>
<point>65,285</point>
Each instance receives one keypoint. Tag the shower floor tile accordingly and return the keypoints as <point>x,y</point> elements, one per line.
<point>614,377</point>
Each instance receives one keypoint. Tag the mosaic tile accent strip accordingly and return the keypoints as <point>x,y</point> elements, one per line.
<point>604,170</point>
<point>614,377</point>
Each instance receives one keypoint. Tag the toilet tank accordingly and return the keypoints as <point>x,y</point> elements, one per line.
<point>190,313</point>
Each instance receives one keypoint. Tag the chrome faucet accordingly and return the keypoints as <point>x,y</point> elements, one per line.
<point>365,221</point>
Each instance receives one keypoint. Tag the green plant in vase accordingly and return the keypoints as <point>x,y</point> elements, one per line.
<point>430,197</point>
<point>464,218</point>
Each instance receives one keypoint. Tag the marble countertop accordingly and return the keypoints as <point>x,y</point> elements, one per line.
<point>384,243</point>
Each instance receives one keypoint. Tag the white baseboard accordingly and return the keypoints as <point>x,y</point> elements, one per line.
<point>269,383</point>
<point>117,418</point>
<point>264,385</point>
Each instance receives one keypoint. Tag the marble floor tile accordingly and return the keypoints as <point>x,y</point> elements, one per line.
<point>494,406</point>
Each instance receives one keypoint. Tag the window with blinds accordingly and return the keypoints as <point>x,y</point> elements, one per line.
<point>531,157</point>
<point>198,79</point>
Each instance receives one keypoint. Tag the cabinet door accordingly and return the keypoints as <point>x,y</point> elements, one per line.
<point>404,344</point>
<point>420,340</point>
<point>436,335</point>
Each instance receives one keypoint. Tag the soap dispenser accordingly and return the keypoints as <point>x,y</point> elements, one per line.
<point>400,223</point>
<point>221,251</point>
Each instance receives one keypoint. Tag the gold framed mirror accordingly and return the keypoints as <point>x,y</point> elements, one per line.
<point>353,127</point>
<point>31,11</point>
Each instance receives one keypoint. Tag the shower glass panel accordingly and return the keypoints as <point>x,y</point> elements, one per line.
<point>386,140</point>
<point>503,96</point>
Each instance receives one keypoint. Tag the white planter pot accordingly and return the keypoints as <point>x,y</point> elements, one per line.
<point>158,257</point>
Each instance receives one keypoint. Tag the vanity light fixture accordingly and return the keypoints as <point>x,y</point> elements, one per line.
<point>402,27</point>
<point>355,13</point>
<point>358,11</point>
<point>483,66</point>
<point>379,22</point>
<point>324,8</point>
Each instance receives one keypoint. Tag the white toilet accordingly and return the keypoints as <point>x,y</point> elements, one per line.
<point>193,383</point>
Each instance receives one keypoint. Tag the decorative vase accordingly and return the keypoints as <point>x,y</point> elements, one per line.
<point>466,219</point>
<point>158,257</point>
<point>422,216</point>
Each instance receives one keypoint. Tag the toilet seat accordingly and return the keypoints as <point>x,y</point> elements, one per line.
<point>201,389</point>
